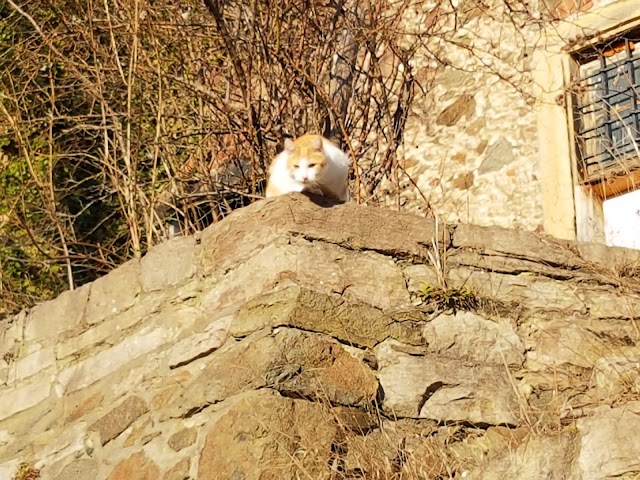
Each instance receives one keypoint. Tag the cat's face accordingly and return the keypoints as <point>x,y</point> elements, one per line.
<point>306,159</point>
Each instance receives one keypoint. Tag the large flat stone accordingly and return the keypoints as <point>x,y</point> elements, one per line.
<point>610,258</point>
<point>609,446</point>
<point>48,320</point>
<point>501,263</point>
<point>545,457</point>
<point>18,399</point>
<point>606,302</point>
<point>445,389</point>
<point>516,243</point>
<point>353,323</point>
<point>119,419</point>
<point>524,290</point>
<point>359,277</point>
<point>114,293</point>
<point>552,343</point>
<point>168,264</point>
<point>354,227</point>
<point>32,364</point>
<point>110,329</point>
<point>469,336</point>
<point>50,446</point>
<point>82,374</point>
<point>265,436</point>
<point>291,361</point>
<point>618,374</point>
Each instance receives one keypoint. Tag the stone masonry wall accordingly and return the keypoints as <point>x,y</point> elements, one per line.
<point>471,142</point>
<point>297,339</point>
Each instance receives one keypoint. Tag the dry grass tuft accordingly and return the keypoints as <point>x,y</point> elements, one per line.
<point>26,472</point>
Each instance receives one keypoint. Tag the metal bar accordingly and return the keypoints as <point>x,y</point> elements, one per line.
<point>607,108</point>
<point>634,84</point>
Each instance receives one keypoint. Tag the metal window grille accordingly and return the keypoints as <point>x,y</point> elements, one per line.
<point>607,119</point>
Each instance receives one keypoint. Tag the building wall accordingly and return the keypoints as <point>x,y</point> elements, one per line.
<point>471,142</point>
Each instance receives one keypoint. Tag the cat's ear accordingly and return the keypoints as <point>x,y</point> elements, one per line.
<point>288,145</point>
<point>316,143</point>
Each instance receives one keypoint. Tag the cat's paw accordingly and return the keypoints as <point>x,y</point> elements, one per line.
<point>313,190</point>
<point>297,187</point>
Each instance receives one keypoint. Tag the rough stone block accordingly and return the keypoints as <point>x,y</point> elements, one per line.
<point>544,457</point>
<point>516,243</point>
<point>469,336</point>
<point>47,321</point>
<point>463,106</point>
<point>167,388</point>
<point>81,469</point>
<point>182,439</point>
<point>608,443</point>
<point>84,373</point>
<point>200,344</point>
<point>4,372</point>
<point>298,363</point>
<point>417,276</point>
<point>524,290</point>
<point>260,434</point>
<point>354,323</point>
<point>9,469</point>
<point>168,264</point>
<point>12,334</point>
<point>84,406</point>
<point>445,389</point>
<point>28,366</point>
<point>18,399</point>
<point>355,419</point>
<point>180,471</point>
<point>552,343</point>
<point>599,301</point>
<point>609,257</point>
<point>113,293</point>
<point>618,374</point>
<point>137,467</point>
<point>498,155</point>
<point>110,329</point>
<point>50,447</point>
<point>372,277</point>
<point>140,433</point>
<point>119,419</point>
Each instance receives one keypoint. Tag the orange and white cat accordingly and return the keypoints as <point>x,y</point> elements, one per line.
<point>313,164</point>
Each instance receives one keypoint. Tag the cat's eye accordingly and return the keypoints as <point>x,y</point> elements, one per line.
<point>313,165</point>
<point>296,165</point>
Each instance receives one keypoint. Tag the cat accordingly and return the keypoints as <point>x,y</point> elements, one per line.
<point>313,164</point>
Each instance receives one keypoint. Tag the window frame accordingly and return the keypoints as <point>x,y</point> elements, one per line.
<point>588,170</point>
<point>572,210</point>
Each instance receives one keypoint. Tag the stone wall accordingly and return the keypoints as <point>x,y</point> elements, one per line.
<point>296,339</point>
<point>471,142</point>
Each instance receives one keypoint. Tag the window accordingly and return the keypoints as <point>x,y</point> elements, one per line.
<point>606,109</point>
<point>622,220</point>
